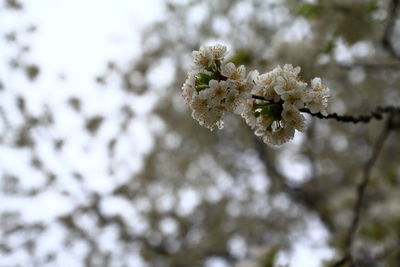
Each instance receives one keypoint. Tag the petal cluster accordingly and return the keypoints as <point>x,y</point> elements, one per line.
<point>270,102</point>
<point>277,118</point>
<point>213,88</point>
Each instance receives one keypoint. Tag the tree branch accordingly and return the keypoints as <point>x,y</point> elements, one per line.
<point>360,192</point>
<point>375,114</point>
<point>282,184</point>
<point>387,36</point>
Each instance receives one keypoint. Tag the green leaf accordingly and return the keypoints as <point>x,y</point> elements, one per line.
<point>271,110</point>
<point>204,77</point>
<point>203,80</point>
<point>266,112</point>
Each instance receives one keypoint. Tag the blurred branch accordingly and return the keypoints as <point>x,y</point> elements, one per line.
<point>161,248</point>
<point>360,193</point>
<point>282,184</point>
<point>310,145</point>
<point>382,66</point>
<point>6,122</point>
<point>387,36</point>
<point>388,251</point>
<point>125,234</point>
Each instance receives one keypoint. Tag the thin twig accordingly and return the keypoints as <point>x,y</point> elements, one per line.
<point>360,192</point>
<point>387,36</point>
<point>375,114</point>
<point>258,97</point>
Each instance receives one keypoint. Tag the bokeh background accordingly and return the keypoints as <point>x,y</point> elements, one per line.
<point>102,165</point>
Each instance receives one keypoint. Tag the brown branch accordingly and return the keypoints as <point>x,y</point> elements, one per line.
<point>375,114</point>
<point>387,36</point>
<point>360,193</point>
<point>258,97</point>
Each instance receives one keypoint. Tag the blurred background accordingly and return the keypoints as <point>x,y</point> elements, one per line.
<point>102,165</point>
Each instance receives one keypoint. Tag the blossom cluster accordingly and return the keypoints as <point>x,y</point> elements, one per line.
<point>271,102</point>
<point>213,88</point>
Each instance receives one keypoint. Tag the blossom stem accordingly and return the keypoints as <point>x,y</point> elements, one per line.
<point>375,114</point>
<point>259,98</point>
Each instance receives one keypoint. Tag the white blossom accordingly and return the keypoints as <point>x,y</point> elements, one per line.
<point>267,83</point>
<point>317,98</point>
<point>244,88</point>
<point>280,136</point>
<point>231,72</point>
<point>248,113</point>
<point>218,52</point>
<point>213,88</point>
<point>233,102</point>
<point>200,102</point>
<point>292,115</point>
<point>288,83</point>
<point>189,88</point>
<point>202,58</point>
<point>218,91</point>
<point>271,103</point>
<point>295,98</point>
<point>263,124</point>
<point>288,68</point>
